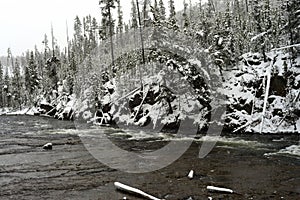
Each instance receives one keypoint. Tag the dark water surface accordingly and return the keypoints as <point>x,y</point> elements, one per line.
<point>250,165</point>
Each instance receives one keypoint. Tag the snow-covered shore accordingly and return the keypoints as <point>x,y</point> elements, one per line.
<point>250,108</point>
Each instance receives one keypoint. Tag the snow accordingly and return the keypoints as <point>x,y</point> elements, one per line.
<point>191,174</point>
<point>32,111</point>
<point>241,90</point>
<point>200,67</point>
<point>3,111</point>
<point>258,36</point>
<point>201,33</point>
<point>48,146</point>
<point>293,150</point>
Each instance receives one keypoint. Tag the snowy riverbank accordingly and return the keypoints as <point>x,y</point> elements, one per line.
<point>261,97</point>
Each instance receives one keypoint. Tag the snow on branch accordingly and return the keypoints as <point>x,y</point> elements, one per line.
<point>258,36</point>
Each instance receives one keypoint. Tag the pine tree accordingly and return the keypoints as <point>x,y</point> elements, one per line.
<point>158,32</point>
<point>162,10</point>
<point>172,16</point>
<point>16,83</point>
<point>185,15</point>
<point>120,18</point>
<point>6,89</point>
<point>293,25</point>
<point>155,12</point>
<point>211,8</point>
<point>78,39</point>
<point>93,36</point>
<point>87,23</point>
<point>259,44</point>
<point>108,26</point>
<point>31,77</point>
<point>146,18</point>
<point>134,17</point>
<point>1,85</point>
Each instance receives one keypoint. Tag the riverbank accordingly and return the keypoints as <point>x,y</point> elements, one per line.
<point>258,97</point>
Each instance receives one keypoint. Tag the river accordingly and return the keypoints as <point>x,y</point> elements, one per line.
<point>254,166</point>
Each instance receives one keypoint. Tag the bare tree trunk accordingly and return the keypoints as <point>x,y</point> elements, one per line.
<point>142,40</point>
<point>247,6</point>
<point>111,43</point>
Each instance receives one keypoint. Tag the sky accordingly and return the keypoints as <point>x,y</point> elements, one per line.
<point>23,23</point>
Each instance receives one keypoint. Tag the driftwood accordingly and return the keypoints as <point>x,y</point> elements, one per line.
<point>219,189</point>
<point>135,191</point>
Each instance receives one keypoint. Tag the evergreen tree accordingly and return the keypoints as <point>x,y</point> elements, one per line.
<point>293,25</point>
<point>108,26</point>
<point>155,12</point>
<point>6,89</point>
<point>134,17</point>
<point>1,85</point>
<point>46,56</point>
<point>31,77</point>
<point>185,15</point>
<point>93,35</point>
<point>211,8</point>
<point>172,16</point>
<point>120,26</point>
<point>162,10</point>
<point>146,18</point>
<point>259,43</point>
<point>158,33</point>
<point>17,85</point>
<point>78,39</point>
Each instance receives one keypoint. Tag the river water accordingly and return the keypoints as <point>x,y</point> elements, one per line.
<point>254,166</point>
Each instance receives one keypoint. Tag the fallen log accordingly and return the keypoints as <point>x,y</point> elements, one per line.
<point>126,188</point>
<point>219,189</point>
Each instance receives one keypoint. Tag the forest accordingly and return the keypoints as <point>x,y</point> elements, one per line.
<point>163,67</point>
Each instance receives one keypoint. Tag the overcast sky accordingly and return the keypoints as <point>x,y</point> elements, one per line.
<point>23,23</point>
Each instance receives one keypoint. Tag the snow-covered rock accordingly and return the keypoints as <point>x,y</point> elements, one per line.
<point>48,146</point>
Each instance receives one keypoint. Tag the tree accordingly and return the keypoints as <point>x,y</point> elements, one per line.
<point>146,17</point>
<point>211,8</point>
<point>31,77</point>
<point>120,26</point>
<point>172,16</point>
<point>108,24</point>
<point>6,88</point>
<point>185,15</point>
<point>293,25</point>
<point>93,35</point>
<point>1,85</point>
<point>134,17</point>
<point>158,33</point>
<point>16,83</point>
<point>156,13</point>
<point>78,40</point>
<point>162,10</point>
<point>259,43</point>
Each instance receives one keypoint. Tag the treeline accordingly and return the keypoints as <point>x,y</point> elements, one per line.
<point>226,29</point>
